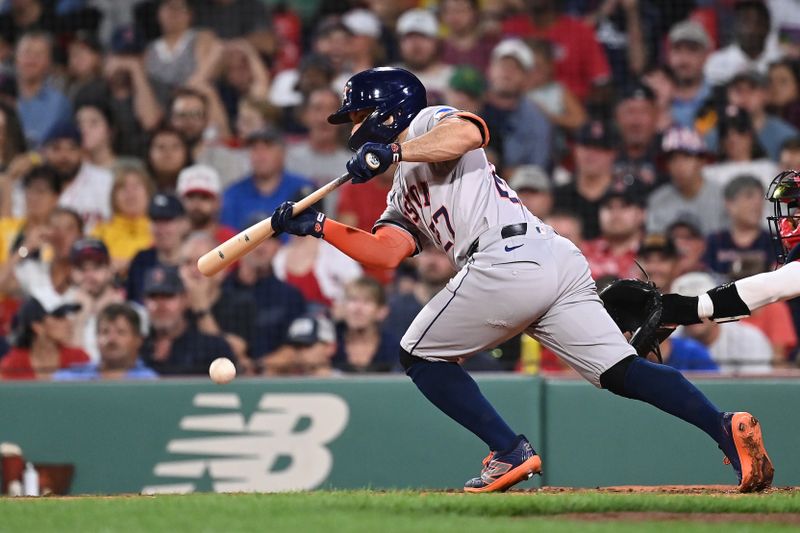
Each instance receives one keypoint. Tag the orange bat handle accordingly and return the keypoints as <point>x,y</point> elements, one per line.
<point>231,250</point>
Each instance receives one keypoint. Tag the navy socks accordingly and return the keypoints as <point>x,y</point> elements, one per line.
<point>454,392</point>
<point>666,388</point>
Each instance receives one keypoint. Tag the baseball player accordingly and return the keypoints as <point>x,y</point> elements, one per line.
<point>733,301</point>
<point>514,274</point>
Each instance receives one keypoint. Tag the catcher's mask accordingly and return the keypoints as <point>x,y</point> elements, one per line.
<point>784,224</point>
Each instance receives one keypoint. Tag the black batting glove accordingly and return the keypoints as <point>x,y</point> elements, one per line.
<point>372,159</point>
<point>309,222</point>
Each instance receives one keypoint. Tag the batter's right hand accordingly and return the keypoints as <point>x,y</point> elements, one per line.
<point>372,159</point>
<point>309,222</point>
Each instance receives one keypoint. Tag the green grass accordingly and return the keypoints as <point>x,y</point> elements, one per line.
<point>384,512</point>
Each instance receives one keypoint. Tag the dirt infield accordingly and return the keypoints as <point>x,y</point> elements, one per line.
<point>661,489</point>
<point>705,518</point>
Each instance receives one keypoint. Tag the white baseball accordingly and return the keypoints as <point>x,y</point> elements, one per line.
<point>222,370</point>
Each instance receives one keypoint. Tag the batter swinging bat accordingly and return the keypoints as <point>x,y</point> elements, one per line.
<point>242,243</point>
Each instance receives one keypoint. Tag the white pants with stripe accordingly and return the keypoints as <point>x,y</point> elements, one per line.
<point>538,283</point>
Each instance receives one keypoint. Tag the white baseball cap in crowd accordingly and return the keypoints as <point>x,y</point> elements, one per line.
<point>516,49</point>
<point>362,22</point>
<point>199,178</point>
<point>693,284</point>
<point>420,21</point>
<point>689,31</point>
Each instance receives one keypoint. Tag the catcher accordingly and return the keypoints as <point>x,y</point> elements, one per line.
<point>649,317</point>
<point>641,310</point>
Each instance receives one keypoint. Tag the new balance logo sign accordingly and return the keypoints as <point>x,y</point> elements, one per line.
<point>282,447</point>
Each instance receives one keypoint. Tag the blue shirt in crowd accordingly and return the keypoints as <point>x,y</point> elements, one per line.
<point>725,257</point>
<point>141,263</point>
<point>688,354</point>
<point>684,112</point>
<point>385,359</point>
<point>91,371</point>
<point>43,112</point>
<point>242,200</point>
<point>277,305</point>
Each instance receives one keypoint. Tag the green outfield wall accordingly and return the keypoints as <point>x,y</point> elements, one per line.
<point>297,434</point>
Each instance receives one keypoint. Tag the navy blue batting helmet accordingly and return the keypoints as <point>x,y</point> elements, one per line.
<point>395,96</point>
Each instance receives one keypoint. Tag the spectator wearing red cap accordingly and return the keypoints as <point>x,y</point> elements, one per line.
<point>42,340</point>
<point>200,191</point>
<point>129,230</point>
<point>687,191</point>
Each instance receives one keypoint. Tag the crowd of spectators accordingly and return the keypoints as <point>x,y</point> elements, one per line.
<point>135,135</point>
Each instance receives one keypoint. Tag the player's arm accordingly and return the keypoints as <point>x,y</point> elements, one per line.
<point>733,301</point>
<point>385,248</point>
<point>450,137</point>
<point>447,140</point>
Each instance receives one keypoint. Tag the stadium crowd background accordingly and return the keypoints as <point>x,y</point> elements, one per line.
<point>136,135</point>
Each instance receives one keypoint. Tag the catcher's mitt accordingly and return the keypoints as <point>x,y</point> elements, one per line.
<point>636,308</point>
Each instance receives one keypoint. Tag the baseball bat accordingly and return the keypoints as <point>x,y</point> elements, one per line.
<point>242,243</point>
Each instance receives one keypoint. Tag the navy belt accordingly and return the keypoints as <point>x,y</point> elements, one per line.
<point>512,230</point>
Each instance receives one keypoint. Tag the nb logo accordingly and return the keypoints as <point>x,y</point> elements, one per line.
<point>282,446</point>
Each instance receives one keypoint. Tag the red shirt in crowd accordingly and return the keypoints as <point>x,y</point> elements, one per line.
<point>775,321</point>
<point>603,262</point>
<point>580,61</point>
<point>223,233</point>
<point>16,364</point>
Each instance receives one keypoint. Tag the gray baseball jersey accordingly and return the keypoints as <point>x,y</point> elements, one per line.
<point>450,203</point>
<point>530,279</point>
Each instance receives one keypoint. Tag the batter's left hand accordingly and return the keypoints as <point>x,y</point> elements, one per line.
<point>309,222</point>
<point>372,159</point>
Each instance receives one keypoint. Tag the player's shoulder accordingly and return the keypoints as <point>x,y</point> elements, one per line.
<point>431,115</point>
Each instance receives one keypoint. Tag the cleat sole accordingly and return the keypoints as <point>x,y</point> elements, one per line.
<point>757,468</point>
<point>524,471</point>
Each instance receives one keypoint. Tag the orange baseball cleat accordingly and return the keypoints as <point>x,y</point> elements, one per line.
<point>503,471</point>
<point>751,462</point>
